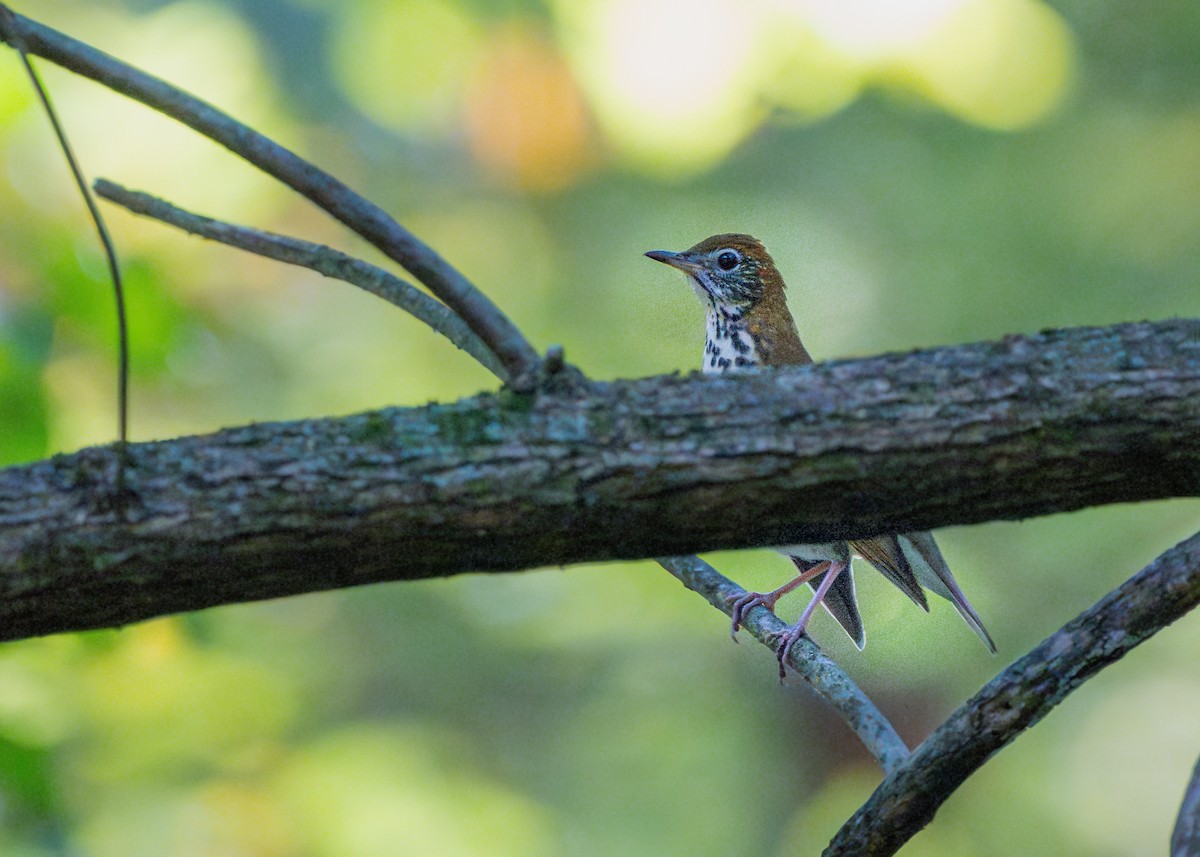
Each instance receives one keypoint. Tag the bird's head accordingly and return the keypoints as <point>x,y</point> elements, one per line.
<point>732,271</point>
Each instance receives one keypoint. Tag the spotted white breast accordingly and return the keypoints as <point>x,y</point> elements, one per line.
<point>728,346</point>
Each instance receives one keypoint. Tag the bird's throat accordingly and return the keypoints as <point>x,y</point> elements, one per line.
<point>729,345</point>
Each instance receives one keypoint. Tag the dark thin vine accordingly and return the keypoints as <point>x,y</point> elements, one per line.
<point>110,253</point>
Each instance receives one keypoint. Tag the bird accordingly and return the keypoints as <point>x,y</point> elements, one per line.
<point>749,325</point>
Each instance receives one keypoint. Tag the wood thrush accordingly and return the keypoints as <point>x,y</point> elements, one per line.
<point>749,325</point>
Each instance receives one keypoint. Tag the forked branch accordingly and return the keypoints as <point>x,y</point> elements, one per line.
<point>1018,698</point>
<point>824,675</point>
<point>316,257</point>
<point>360,214</point>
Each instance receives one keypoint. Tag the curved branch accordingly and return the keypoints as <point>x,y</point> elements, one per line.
<point>361,215</point>
<point>8,32</point>
<point>317,257</point>
<point>1018,698</point>
<point>824,675</point>
<point>1185,839</point>
<point>586,471</point>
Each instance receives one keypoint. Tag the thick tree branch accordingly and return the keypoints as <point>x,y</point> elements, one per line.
<point>317,257</point>
<point>593,471</point>
<point>828,679</point>
<point>361,215</point>
<point>1018,698</point>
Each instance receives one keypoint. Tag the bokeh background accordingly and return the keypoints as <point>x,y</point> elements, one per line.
<point>925,173</point>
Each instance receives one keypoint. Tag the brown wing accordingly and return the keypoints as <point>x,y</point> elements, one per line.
<point>886,554</point>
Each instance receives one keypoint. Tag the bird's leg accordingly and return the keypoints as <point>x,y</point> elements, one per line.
<point>750,600</point>
<point>788,638</point>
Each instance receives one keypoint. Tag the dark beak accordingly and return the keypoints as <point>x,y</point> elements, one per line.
<point>675,260</point>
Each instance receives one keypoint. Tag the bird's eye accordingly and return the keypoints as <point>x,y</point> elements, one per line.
<point>727,260</point>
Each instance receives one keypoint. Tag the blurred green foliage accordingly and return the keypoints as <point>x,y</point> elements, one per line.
<point>956,171</point>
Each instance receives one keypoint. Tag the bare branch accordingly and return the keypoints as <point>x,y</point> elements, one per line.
<point>1185,840</point>
<point>1018,698</point>
<point>586,471</point>
<point>361,215</point>
<point>8,32</point>
<point>317,257</point>
<point>828,679</point>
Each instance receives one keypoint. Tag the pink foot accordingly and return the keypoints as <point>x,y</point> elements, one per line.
<point>788,637</point>
<point>750,600</point>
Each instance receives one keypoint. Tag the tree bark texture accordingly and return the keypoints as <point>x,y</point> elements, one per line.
<point>586,471</point>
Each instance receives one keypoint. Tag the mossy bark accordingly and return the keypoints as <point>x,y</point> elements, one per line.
<point>587,471</point>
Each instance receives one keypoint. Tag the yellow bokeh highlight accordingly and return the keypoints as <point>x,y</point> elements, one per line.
<point>813,78</point>
<point>405,64</point>
<point>872,30</point>
<point>1002,64</point>
<point>677,84</point>
<point>668,78</point>
<point>200,47</point>
<point>674,86</point>
<point>16,95</point>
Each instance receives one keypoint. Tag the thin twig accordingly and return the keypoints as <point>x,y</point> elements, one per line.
<point>828,679</point>
<point>317,257</point>
<point>9,32</point>
<point>361,215</point>
<point>1185,840</point>
<point>1019,697</point>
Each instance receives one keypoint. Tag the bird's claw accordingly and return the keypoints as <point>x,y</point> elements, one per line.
<point>747,602</point>
<point>787,639</point>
